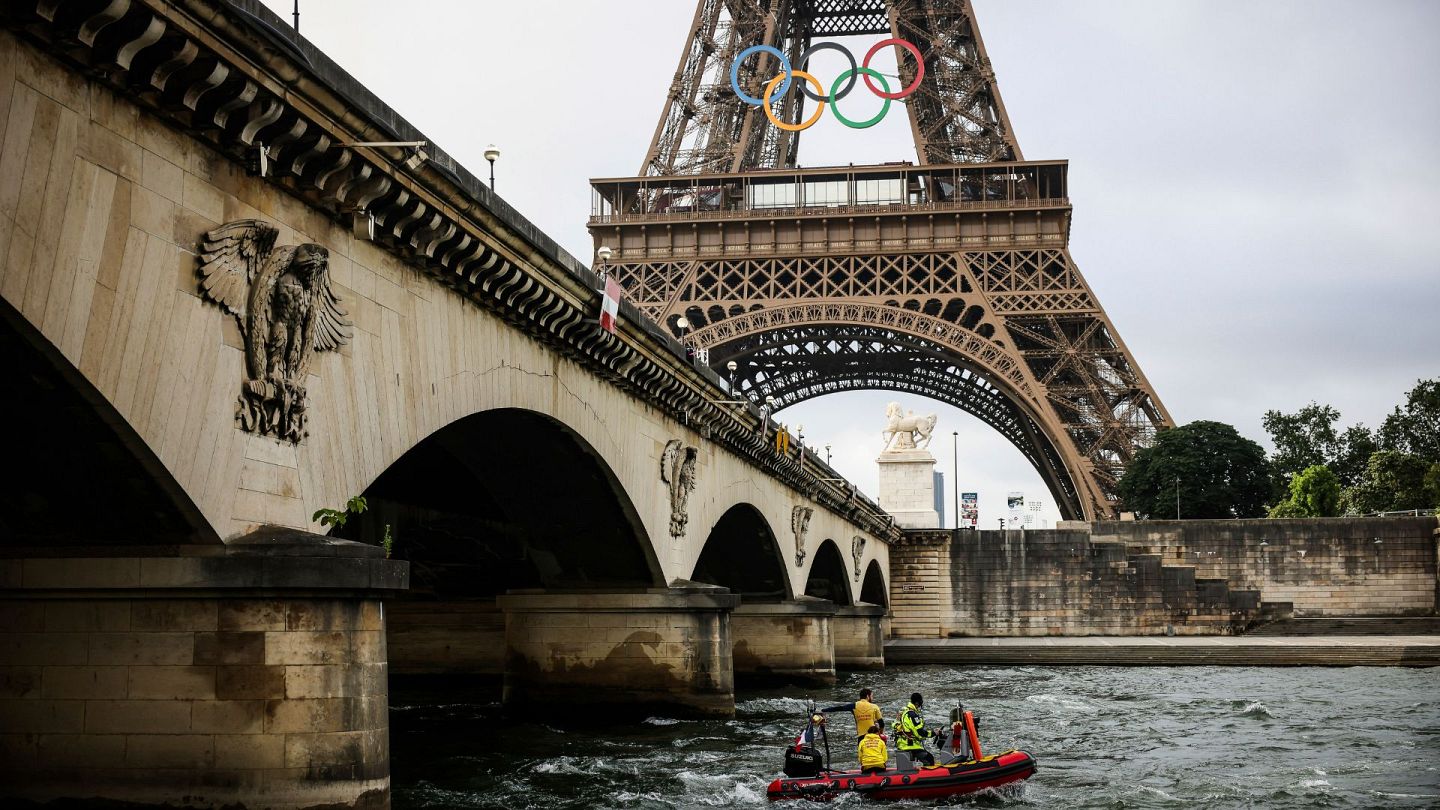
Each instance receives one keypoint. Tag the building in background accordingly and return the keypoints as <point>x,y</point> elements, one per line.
<point>940,498</point>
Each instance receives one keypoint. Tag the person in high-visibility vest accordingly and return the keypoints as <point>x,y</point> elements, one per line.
<point>872,752</point>
<point>866,712</point>
<point>911,733</point>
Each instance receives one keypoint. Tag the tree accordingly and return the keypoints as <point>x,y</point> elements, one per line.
<point>1302,439</point>
<point>1414,428</point>
<point>1221,474</point>
<point>1314,492</point>
<point>1393,481</point>
<point>1357,443</point>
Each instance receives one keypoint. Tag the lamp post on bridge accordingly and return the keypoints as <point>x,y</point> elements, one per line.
<point>492,154</point>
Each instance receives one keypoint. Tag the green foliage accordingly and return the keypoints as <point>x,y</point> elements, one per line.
<point>1357,444</point>
<point>1315,492</point>
<point>1221,474</point>
<point>1414,428</point>
<point>1432,485</point>
<point>1302,439</point>
<point>337,517</point>
<point>1308,438</point>
<point>1393,481</point>
<point>388,541</point>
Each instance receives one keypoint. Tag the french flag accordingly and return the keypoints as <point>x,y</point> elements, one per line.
<point>610,305</point>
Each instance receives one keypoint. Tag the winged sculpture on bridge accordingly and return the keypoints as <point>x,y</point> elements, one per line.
<point>287,311</point>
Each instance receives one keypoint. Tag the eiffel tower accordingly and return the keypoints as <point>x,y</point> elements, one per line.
<point>950,277</point>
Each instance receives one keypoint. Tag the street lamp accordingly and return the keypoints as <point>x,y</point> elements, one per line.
<point>603,253</point>
<point>827,454</point>
<point>731,367</point>
<point>955,473</point>
<point>492,154</point>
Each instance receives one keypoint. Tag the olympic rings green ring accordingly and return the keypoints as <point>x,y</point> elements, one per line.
<point>835,107</point>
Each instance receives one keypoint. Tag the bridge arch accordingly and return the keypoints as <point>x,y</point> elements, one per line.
<point>90,480</point>
<point>504,499</point>
<point>873,589</point>
<point>828,577</point>
<point>742,553</point>
<point>852,347</point>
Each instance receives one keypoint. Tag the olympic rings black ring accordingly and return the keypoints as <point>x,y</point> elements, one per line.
<point>804,62</point>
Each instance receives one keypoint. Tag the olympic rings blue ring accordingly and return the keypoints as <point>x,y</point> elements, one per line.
<point>735,74</point>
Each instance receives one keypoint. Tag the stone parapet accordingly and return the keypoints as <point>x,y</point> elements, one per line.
<point>859,632</point>
<point>784,642</point>
<point>251,675</point>
<point>656,650</point>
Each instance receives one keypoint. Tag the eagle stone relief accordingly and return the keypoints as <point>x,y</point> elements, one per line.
<point>287,311</point>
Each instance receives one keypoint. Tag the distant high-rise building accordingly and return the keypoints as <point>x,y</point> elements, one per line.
<point>940,498</point>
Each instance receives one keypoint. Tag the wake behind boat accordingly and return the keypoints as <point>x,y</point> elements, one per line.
<point>960,770</point>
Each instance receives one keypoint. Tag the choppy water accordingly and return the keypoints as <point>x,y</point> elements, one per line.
<point>1104,737</point>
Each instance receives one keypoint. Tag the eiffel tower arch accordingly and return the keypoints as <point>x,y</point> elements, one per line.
<point>950,277</point>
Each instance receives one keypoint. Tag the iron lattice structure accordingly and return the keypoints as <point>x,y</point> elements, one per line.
<point>951,279</point>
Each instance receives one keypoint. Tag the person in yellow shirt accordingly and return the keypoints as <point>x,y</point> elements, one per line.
<point>872,752</point>
<point>866,713</point>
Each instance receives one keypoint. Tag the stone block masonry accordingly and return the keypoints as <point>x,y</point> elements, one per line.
<point>1166,577</point>
<point>1322,566</point>
<point>258,687</point>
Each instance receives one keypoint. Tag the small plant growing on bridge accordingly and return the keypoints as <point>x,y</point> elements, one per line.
<point>354,506</point>
<point>337,517</point>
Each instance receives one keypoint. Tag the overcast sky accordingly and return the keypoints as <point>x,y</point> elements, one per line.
<point>1255,181</point>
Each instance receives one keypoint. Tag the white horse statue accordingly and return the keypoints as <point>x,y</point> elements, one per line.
<point>913,431</point>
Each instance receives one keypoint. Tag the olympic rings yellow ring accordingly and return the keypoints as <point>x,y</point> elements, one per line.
<point>770,111</point>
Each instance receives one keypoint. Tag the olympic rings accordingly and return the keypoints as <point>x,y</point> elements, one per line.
<point>828,46</point>
<point>735,73</point>
<point>819,108</point>
<point>919,67</point>
<point>773,94</point>
<point>878,117</point>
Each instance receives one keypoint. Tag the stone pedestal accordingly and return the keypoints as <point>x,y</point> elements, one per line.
<point>859,636</point>
<point>907,488</point>
<point>663,650</point>
<point>229,676</point>
<point>784,642</point>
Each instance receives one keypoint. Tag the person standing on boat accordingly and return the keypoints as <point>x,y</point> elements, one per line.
<point>911,733</point>
<point>871,752</point>
<point>866,713</point>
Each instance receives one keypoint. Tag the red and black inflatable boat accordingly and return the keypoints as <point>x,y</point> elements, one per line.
<point>955,779</point>
<point>961,770</point>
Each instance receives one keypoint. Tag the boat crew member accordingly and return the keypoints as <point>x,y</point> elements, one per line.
<point>911,733</point>
<point>872,752</point>
<point>866,712</point>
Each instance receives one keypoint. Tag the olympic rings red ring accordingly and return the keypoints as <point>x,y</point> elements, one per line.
<point>919,67</point>
<point>788,73</point>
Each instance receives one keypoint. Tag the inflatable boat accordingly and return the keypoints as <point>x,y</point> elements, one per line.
<point>960,770</point>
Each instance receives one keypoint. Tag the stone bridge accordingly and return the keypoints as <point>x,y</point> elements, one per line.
<point>225,308</point>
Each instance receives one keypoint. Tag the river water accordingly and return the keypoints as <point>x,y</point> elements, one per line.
<point>1104,737</point>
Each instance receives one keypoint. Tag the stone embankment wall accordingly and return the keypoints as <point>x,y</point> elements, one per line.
<point>1144,578</point>
<point>1322,566</point>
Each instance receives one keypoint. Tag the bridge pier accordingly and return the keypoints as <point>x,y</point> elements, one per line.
<point>859,632</point>
<point>445,637</point>
<point>241,675</point>
<point>654,650</point>
<point>785,642</point>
